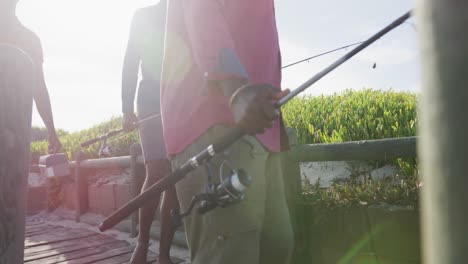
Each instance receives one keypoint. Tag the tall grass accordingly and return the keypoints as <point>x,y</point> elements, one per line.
<point>352,115</point>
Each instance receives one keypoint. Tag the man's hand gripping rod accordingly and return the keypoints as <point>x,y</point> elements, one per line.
<point>219,146</point>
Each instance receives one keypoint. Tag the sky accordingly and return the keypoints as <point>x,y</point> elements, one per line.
<point>84,43</point>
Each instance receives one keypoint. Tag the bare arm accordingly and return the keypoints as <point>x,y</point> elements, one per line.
<point>41,97</point>
<point>130,68</point>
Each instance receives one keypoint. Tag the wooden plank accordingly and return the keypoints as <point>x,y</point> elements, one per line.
<point>30,229</point>
<point>103,255</point>
<point>152,258</point>
<point>56,244</point>
<point>48,239</point>
<point>61,231</point>
<point>92,255</point>
<point>36,227</point>
<point>125,258</point>
<point>80,255</point>
<point>44,230</point>
<point>40,232</point>
<point>16,85</point>
<point>52,232</point>
<point>34,222</point>
<point>63,244</point>
<point>79,244</point>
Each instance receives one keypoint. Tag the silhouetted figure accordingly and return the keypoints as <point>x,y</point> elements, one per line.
<point>16,99</point>
<point>12,32</point>
<point>145,51</point>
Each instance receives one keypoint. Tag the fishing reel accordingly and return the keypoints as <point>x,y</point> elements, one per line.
<point>106,150</point>
<point>230,190</point>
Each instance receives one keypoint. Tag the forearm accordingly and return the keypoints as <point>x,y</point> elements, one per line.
<point>129,84</point>
<point>130,69</point>
<point>42,100</point>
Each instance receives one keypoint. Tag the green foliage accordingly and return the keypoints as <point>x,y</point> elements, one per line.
<point>399,189</point>
<point>71,141</point>
<point>40,133</point>
<point>352,115</point>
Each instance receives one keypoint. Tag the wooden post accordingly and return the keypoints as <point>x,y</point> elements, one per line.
<point>137,174</point>
<point>81,182</point>
<point>380,149</point>
<point>293,190</point>
<point>16,86</point>
<point>292,177</point>
<point>443,26</point>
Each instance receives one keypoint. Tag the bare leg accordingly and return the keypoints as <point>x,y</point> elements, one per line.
<point>155,170</point>
<point>167,226</point>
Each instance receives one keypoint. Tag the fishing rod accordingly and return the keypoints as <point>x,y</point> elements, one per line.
<point>116,132</point>
<point>333,50</point>
<point>321,54</point>
<point>220,145</point>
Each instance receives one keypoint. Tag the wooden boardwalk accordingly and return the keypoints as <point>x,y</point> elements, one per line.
<point>46,243</point>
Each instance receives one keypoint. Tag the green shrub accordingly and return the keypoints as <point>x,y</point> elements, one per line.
<point>358,115</point>
<point>40,133</point>
<point>72,141</point>
<point>352,115</point>
<point>400,189</point>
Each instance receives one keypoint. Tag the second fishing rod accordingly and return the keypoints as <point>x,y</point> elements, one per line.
<point>236,133</point>
<point>116,132</point>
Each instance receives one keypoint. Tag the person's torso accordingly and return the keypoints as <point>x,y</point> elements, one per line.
<point>185,101</point>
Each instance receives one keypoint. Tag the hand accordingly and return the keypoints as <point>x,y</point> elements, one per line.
<point>54,143</point>
<point>252,107</point>
<point>128,122</point>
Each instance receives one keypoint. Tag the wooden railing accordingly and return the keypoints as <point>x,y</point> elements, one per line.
<point>384,149</point>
